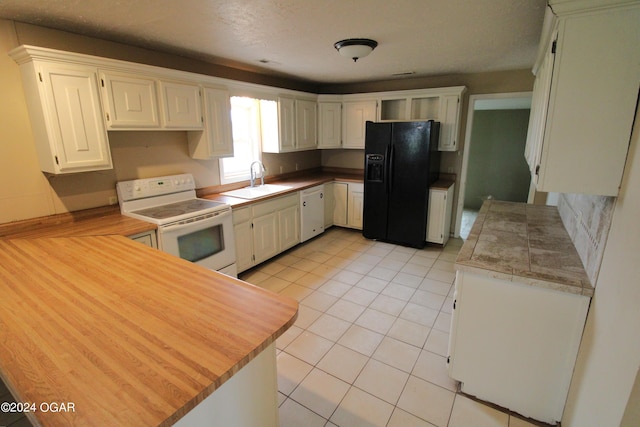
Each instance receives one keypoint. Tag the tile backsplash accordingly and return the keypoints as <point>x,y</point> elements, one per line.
<point>587,220</point>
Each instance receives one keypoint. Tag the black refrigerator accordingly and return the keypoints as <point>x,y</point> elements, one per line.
<point>401,162</point>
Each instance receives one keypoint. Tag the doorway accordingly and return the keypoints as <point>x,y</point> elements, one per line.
<point>493,165</point>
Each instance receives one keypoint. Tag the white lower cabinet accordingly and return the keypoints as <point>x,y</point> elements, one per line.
<point>146,238</point>
<point>348,201</point>
<point>439,214</point>
<point>329,203</point>
<point>515,344</point>
<point>265,229</point>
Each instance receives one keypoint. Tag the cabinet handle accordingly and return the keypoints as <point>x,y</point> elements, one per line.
<point>321,195</point>
<point>454,304</point>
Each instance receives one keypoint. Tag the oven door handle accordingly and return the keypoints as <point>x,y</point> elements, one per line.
<point>217,217</point>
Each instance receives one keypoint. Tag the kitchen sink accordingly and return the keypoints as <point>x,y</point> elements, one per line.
<point>256,192</point>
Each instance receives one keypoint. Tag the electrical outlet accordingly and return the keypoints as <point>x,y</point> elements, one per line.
<point>281,169</point>
<point>297,166</point>
<point>113,200</point>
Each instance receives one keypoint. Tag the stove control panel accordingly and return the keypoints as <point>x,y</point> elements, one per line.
<point>149,187</point>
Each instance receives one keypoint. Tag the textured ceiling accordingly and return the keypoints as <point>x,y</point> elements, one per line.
<point>295,38</point>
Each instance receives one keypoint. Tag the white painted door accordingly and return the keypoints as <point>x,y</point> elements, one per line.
<point>181,106</point>
<point>130,102</point>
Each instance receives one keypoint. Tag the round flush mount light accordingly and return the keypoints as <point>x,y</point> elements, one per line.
<point>355,48</point>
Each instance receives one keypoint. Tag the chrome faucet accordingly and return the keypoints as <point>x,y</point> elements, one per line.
<point>253,175</point>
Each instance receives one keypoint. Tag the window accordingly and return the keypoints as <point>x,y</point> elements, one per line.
<point>251,121</point>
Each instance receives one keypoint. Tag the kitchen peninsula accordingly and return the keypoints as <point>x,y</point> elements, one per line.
<point>520,304</point>
<point>127,335</point>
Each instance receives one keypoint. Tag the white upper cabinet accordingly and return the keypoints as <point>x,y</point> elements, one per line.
<point>329,124</point>
<point>66,115</point>
<point>449,118</point>
<point>354,117</point>
<point>441,104</point>
<point>130,101</point>
<point>306,124</point>
<point>583,111</point>
<point>297,126</point>
<point>181,106</point>
<point>216,139</point>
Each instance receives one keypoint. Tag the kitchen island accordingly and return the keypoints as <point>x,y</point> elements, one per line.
<point>121,334</point>
<point>520,304</point>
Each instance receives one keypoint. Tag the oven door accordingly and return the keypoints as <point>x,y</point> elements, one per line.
<point>206,240</point>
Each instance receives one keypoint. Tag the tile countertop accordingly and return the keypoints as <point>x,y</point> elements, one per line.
<point>524,243</point>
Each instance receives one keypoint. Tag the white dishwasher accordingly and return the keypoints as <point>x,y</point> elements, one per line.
<point>311,212</point>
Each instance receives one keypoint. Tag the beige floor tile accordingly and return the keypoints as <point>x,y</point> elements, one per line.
<point>290,334</point>
<point>348,277</point>
<point>419,314</point>
<point>401,418</point>
<point>437,342</point>
<point>435,286</point>
<point>468,412</point>
<point>382,273</point>
<point>388,305</point>
<point>320,392</point>
<point>443,276</point>
<point>359,267</point>
<point>290,274</point>
<point>346,310</point>
<point>408,280</point>
<point>306,264</point>
<point>428,299</point>
<point>427,401</point>
<point>370,259</point>
<point>443,322</point>
<point>397,354</point>
<point>441,264</point>
<point>399,291</point>
<point>415,269</point>
<point>319,301</point>
<point>309,347</point>
<point>361,409</point>
<point>291,372</point>
<point>272,267</point>
<point>409,332</point>
<point>306,316</point>
<point>274,284</point>
<point>372,284</point>
<point>433,368</point>
<point>329,327</point>
<point>311,280</point>
<point>335,288</point>
<point>343,363</point>
<point>255,276</point>
<point>376,320</point>
<point>361,340</point>
<point>360,296</point>
<point>421,259</point>
<point>382,380</point>
<point>296,292</point>
<point>292,414</point>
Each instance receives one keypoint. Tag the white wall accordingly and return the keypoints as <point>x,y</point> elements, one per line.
<point>609,355</point>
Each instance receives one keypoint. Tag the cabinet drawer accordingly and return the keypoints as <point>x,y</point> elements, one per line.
<point>241,215</point>
<point>264,208</point>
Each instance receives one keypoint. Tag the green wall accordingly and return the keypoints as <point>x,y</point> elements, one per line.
<point>497,167</point>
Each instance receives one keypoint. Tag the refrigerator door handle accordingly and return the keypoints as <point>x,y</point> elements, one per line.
<point>390,172</point>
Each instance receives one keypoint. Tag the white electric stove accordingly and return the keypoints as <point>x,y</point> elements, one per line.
<point>195,229</point>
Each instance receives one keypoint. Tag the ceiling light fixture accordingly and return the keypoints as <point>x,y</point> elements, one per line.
<point>355,48</point>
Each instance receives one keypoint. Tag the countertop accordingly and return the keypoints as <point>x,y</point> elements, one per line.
<point>128,334</point>
<point>524,243</point>
<point>89,222</point>
<point>297,183</point>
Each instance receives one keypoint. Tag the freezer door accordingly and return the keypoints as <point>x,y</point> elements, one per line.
<point>377,147</point>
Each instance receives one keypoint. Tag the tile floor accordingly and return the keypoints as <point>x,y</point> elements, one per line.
<point>369,345</point>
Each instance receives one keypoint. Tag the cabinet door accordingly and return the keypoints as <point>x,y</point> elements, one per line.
<point>287,129</point>
<point>355,115</point>
<point>76,138</point>
<point>244,245</point>
<point>130,102</point>
<point>355,206</point>
<point>306,124</point>
<point>340,194</point>
<point>216,140</point>
<point>181,106</point>
<point>289,224</point>
<point>449,115</point>
<point>330,125</point>
<point>435,216</point>
<point>265,237</point>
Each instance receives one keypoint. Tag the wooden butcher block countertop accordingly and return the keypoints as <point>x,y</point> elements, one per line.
<point>130,335</point>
